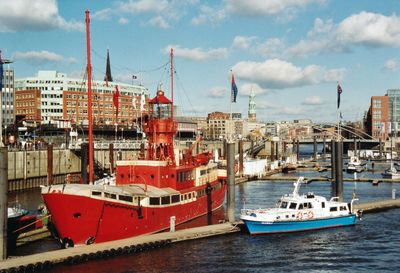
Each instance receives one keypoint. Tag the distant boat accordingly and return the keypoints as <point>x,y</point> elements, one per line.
<point>391,172</point>
<point>354,165</point>
<point>14,215</point>
<point>295,212</point>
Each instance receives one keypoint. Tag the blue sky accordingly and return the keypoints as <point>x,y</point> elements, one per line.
<point>291,53</point>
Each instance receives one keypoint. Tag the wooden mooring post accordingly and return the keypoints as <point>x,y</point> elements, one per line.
<point>3,201</point>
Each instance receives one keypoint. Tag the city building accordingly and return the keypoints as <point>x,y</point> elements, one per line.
<point>7,95</point>
<point>52,96</point>
<point>394,108</point>
<point>377,121</point>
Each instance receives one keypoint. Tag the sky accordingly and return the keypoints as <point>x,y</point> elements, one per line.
<point>291,53</point>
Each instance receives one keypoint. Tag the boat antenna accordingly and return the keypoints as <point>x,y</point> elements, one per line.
<point>89,74</point>
<point>172,81</point>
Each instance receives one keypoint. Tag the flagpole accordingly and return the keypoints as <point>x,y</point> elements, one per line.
<point>230,115</point>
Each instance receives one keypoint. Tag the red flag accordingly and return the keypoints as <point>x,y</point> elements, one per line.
<point>115,98</point>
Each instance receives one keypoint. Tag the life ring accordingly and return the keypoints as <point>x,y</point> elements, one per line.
<point>310,214</point>
<point>299,215</point>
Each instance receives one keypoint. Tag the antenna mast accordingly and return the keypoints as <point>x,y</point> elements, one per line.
<point>172,81</point>
<point>89,73</point>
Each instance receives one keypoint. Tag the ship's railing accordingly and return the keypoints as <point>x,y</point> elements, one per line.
<point>118,145</point>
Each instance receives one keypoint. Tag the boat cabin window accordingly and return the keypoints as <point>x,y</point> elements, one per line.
<point>301,206</point>
<point>323,205</point>
<point>126,198</point>
<point>154,201</point>
<point>203,172</point>
<point>283,205</point>
<point>175,198</point>
<point>96,193</point>
<point>333,209</point>
<point>110,195</point>
<point>165,200</point>
<point>292,205</point>
<point>307,205</point>
<point>343,208</point>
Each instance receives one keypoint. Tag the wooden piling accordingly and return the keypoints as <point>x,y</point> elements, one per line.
<point>111,153</point>
<point>3,201</point>
<point>231,181</point>
<point>50,177</point>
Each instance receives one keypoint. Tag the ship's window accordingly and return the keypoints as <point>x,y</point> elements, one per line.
<point>301,206</point>
<point>293,205</point>
<point>342,208</point>
<point>333,209</point>
<point>175,198</point>
<point>154,201</point>
<point>190,195</point>
<point>307,205</point>
<point>126,198</point>
<point>172,175</point>
<point>165,200</point>
<point>203,172</point>
<point>96,193</point>
<point>287,216</point>
<point>283,205</point>
<point>323,205</point>
<point>152,176</point>
<point>110,195</point>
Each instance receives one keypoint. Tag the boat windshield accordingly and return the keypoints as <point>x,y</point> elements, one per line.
<point>293,205</point>
<point>283,205</point>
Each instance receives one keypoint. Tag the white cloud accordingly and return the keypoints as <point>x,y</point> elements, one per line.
<point>266,7</point>
<point>38,15</point>
<point>143,6</point>
<point>365,28</point>
<point>391,64</point>
<point>123,21</point>
<point>103,15</point>
<point>209,15</point>
<point>314,100</point>
<point>370,29</point>
<point>39,57</point>
<point>218,92</point>
<point>247,88</point>
<point>159,21</point>
<point>243,42</point>
<point>198,54</point>
<point>276,73</point>
<point>271,48</point>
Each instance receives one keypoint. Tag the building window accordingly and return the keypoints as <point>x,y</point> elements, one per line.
<point>377,104</point>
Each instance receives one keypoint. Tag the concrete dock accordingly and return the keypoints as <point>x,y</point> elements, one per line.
<point>41,261</point>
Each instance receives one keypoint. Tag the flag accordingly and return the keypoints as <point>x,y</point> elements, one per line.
<point>115,98</point>
<point>339,91</point>
<point>234,90</point>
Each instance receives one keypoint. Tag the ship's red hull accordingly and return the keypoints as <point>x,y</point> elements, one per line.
<point>86,220</point>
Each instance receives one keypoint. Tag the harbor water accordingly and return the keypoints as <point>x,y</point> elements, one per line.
<point>371,245</point>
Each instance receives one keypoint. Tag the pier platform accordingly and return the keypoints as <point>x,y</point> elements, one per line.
<point>42,261</point>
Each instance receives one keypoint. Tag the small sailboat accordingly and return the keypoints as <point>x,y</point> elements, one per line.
<point>295,212</point>
<point>391,172</point>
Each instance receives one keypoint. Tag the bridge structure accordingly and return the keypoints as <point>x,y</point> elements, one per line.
<point>324,133</point>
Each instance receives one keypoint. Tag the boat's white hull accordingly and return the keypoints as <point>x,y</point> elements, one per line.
<point>262,227</point>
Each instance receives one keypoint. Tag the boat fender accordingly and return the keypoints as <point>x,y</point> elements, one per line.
<point>299,215</point>
<point>310,215</point>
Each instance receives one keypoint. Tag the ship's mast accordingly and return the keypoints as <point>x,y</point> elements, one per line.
<point>172,82</point>
<point>89,73</point>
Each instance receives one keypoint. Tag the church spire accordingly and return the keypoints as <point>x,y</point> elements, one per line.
<point>252,106</point>
<point>108,77</point>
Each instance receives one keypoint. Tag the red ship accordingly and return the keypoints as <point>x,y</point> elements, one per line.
<point>147,194</point>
